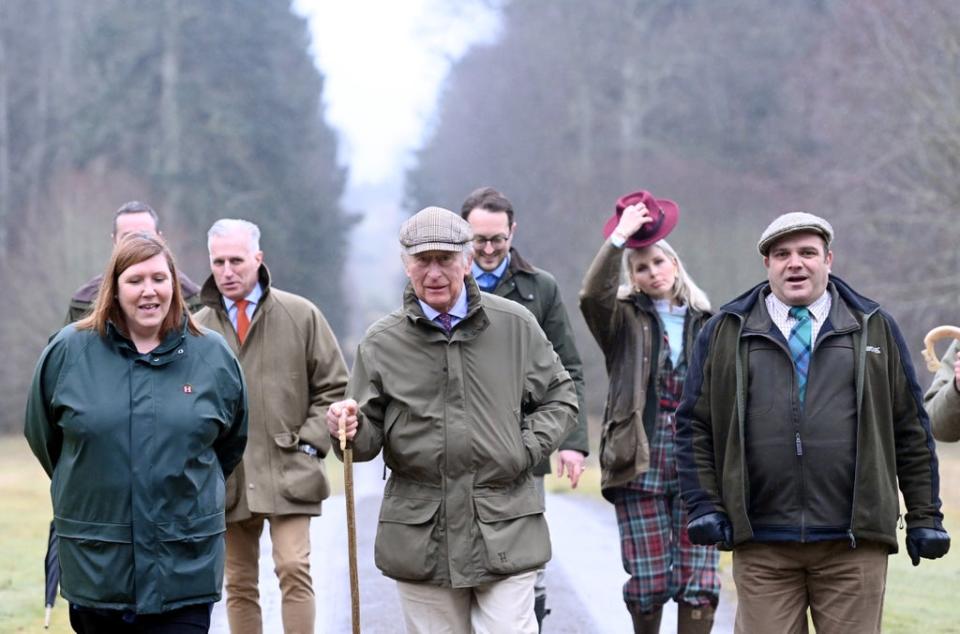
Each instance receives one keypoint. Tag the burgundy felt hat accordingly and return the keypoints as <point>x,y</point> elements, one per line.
<point>664,213</point>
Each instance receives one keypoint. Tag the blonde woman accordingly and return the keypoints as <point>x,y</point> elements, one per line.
<point>645,311</point>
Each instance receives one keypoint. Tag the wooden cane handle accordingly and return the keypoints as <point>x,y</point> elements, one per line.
<point>935,335</point>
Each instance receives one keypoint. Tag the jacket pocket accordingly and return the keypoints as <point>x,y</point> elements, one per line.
<point>96,562</point>
<point>514,530</point>
<point>529,453</point>
<point>408,540</point>
<point>190,558</point>
<point>303,478</point>
<point>623,443</point>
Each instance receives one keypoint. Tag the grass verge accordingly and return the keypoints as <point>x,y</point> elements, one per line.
<point>918,599</point>
<point>24,521</point>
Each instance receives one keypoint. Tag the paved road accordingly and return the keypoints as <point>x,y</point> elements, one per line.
<point>584,578</point>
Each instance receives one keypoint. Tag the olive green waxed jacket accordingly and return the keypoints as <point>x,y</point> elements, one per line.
<point>294,371</point>
<point>462,422</point>
<point>537,291</point>
<point>942,399</point>
<point>138,447</point>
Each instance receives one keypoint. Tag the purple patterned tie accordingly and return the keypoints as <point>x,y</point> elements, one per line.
<point>445,320</point>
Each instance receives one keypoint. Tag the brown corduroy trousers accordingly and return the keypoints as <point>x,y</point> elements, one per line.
<point>843,587</point>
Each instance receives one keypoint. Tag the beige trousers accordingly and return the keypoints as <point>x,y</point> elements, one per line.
<point>843,587</point>
<point>290,535</point>
<point>503,607</point>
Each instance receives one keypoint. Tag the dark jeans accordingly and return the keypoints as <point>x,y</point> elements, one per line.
<point>193,619</point>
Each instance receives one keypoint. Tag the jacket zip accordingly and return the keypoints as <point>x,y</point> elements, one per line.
<point>797,426</point>
<point>798,440</point>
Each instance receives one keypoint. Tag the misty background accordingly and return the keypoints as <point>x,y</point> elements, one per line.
<point>738,110</point>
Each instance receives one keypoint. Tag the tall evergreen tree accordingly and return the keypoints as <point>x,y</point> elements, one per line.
<point>205,110</point>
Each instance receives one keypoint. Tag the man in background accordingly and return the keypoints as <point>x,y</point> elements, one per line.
<point>294,371</point>
<point>132,217</point>
<point>499,269</point>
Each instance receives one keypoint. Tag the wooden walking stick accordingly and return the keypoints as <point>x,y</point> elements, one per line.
<point>351,523</point>
<point>929,352</point>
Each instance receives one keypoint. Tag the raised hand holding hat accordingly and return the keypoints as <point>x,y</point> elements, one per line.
<point>662,217</point>
<point>631,220</point>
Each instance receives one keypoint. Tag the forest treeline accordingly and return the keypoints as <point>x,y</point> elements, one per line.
<point>202,109</point>
<point>738,110</point>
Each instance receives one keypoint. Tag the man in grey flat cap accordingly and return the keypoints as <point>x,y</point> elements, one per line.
<point>465,395</point>
<point>801,414</point>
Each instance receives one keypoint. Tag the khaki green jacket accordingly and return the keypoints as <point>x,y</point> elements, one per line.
<point>942,399</point>
<point>294,370</point>
<point>537,291</point>
<point>462,422</point>
<point>81,303</point>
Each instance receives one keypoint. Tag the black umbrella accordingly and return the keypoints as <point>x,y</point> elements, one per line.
<point>51,572</point>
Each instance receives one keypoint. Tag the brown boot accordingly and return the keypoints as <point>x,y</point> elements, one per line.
<point>694,619</point>
<point>646,622</point>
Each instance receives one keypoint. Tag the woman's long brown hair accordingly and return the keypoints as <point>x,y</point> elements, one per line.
<point>133,249</point>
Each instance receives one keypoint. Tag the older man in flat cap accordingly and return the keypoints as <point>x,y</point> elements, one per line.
<point>800,415</point>
<point>465,395</point>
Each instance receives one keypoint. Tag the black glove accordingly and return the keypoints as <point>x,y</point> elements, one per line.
<point>929,543</point>
<point>710,529</point>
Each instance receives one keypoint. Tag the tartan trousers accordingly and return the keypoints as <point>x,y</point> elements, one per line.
<point>658,555</point>
<point>654,545</point>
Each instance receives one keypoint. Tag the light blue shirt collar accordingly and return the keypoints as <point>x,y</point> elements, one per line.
<point>496,273</point>
<point>458,312</point>
<point>253,299</point>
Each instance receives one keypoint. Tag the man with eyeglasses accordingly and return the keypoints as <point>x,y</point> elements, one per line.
<point>499,269</point>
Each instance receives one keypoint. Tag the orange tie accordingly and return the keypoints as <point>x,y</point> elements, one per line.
<point>243,322</point>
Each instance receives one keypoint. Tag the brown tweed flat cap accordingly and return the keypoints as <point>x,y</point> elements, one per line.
<point>434,229</point>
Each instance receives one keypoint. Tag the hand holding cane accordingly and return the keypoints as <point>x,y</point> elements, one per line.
<point>929,352</point>
<point>351,523</point>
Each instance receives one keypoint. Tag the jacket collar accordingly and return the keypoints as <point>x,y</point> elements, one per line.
<point>518,264</point>
<point>642,302</point>
<point>519,275</point>
<point>471,325</point>
<point>170,348</point>
<point>846,302</point>
<point>210,294</point>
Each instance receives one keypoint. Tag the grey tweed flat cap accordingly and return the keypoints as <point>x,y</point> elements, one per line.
<point>792,223</point>
<point>434,229</point>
